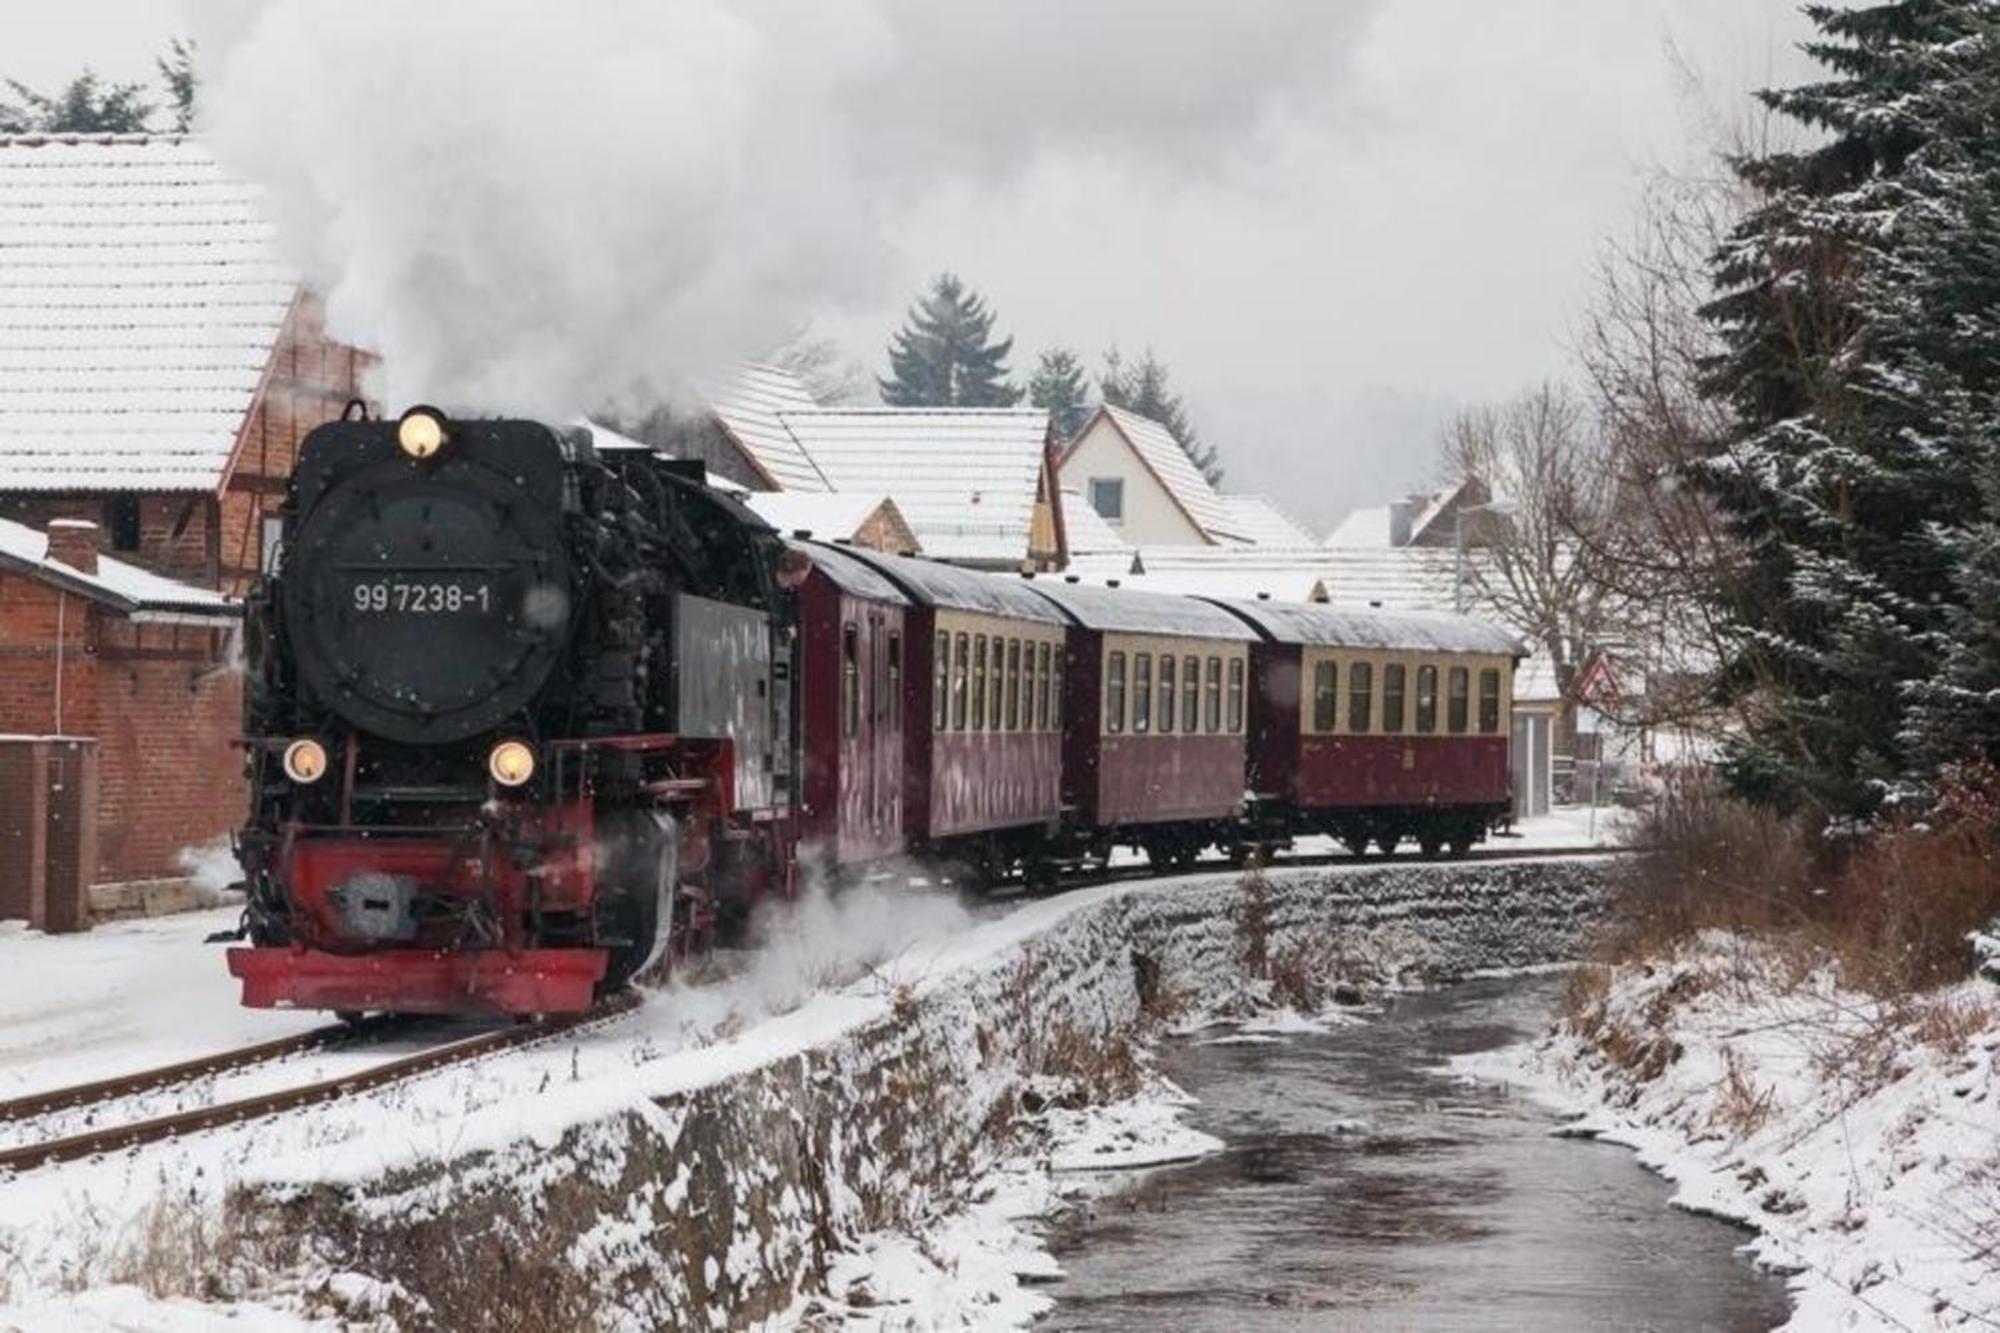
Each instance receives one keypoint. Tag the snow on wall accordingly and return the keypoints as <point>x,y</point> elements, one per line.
<point>717,1203</point>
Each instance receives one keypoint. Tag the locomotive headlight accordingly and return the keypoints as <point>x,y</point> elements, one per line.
<point>421,432</point>
<point>305,761</point>
<point>511,763</point>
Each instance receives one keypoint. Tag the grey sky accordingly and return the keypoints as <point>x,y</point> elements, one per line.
<point>1409,228</point>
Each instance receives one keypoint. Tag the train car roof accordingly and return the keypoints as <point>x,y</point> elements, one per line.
<point>1321,624</point>
<point>1126,611</point>
<point>931,584</point>
<point>849,575</point>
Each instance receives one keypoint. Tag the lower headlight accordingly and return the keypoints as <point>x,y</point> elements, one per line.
<point>305,760</point>
<point>511,763</point>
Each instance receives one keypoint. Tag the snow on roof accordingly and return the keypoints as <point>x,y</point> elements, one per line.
<point>1291,578</point>
<point>1361,627</point>
<point>1401,578</point>
<point>829,516</point>
<point>1163,455</point>
<point>1085,528</point>
<point>965,479</point>
<point>140,299</point>
<point>1535,679</point>
<point>603,438</point>
<point>1261,521</point>
<point>1129,611</point>
<point>1363,527</point>
<point>128,588</point>
<point>851,575</point>
<point>750,404</point>
<point>934,584</point>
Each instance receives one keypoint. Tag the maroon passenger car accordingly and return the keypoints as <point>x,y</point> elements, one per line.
<point>1153,753</point>
<point>1377,727</point>
<point>851,655</point>
<point>982,716</point>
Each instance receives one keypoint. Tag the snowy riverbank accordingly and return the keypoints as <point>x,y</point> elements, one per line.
<point>871,1103</point>
<point>1860,1138</point>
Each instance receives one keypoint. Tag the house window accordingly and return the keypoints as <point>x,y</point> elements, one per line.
<point>1360,694</point>
<point>1393,677</point>
<point>941,681</point>
<point>979,682</point>
<point>1114,694</point>
<point>1142,693</point>
<point>1489,702</point>
<point>1461,688</point>
<point>121,516</point>
<point>1326,684</point>
<point>1237,669</point>
<point>1427,700</point>
<point>1166,693</point>
<point>1107,497</point>
<point>850,680</point>
<point>1212,723</point>
<point>960,665</point>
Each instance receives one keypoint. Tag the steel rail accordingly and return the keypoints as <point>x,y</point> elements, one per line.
<point>138,1133</point>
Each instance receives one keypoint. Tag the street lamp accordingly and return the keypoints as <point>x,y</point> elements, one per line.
<point>1500,507</point>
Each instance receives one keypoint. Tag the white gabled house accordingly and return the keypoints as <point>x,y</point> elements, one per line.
<point>1136,476</point>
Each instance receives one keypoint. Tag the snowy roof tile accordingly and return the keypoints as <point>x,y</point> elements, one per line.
<point>965,479</point>
<point>1367,528</point>
<point>128,588</point>
<point>1401,578</point>
<point>749,405</point>
<point>140,299</point>
<point>1163,455</point>
<point>1261,521</point>
<point>831,516</point>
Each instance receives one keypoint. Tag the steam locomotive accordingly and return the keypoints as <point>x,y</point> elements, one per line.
<point>514,716</point>
<point>523,714</point>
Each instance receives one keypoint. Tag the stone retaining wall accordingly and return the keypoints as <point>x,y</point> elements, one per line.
<point>731,1196</point>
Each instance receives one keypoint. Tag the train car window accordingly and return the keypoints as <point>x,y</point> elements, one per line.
<point>1360,695</point>
<point>1213,722</point>
<point>1427,700</point>
<point>1114,694</point>
<point>1055,686</point>
<point>1013,683</point>
<point>850,680</point>
<point>979,682</point>
<point>941,682</point>
<point>961,665</point>
<point>1392,697</point>
<point>1166,693</point>
<point>1237,667</point>
<point>1190,694</point>
<point>1142,693</point>
<point>895,700</point>
<point>1489,702</point>
<point>993,700</point>
<point>1041,687</point>
<point>1027,684</point>
<point>1326,678</point>
<point>1461,681</point>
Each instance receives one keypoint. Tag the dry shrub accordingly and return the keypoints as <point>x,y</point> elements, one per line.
<point>1891,907</point>
<point>1741,1107</point>
<point>1253,920</point>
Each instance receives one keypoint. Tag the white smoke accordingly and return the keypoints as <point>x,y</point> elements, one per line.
<point>538,207</point>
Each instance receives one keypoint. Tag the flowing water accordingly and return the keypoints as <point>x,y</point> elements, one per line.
<point>1362,1189</point>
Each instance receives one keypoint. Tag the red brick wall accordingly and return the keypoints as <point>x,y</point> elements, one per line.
<point>161,700</point>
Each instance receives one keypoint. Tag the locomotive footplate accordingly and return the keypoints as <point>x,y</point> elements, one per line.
<point>420,981</point>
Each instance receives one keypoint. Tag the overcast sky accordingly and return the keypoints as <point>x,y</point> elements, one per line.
<point>1410,230</point>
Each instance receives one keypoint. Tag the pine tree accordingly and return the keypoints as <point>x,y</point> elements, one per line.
<point>1060,387</point>
<point>86,105</point>
<point>1145,389</point>
<point>177,73</point>
<point>1840,472</point>
<point>942,356</point>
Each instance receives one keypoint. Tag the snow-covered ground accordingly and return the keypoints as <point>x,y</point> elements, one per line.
<point>79,1242</point>
<point>1860,1138</point>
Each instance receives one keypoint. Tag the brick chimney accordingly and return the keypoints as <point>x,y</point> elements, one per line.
<point>73,541</point>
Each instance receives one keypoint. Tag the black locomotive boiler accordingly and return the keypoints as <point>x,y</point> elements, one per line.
<point>519,718</point>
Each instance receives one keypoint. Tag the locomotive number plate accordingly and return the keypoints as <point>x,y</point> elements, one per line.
<point>421,598</point>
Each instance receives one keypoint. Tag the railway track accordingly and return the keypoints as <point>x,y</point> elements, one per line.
<point>1319,860</point>
<point>137,1133</point>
